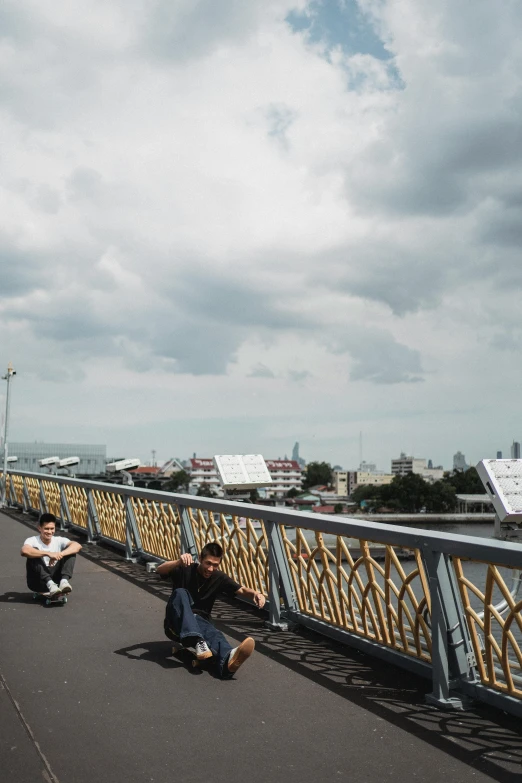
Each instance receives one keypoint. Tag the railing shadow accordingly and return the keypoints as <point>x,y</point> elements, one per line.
<point>485,738</point>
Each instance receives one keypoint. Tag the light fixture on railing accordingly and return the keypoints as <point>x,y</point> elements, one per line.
<point>68,463</point>
<point>122,466</point>
<point>51,463</point>
<point>241,473</point>
<point>502,479</point>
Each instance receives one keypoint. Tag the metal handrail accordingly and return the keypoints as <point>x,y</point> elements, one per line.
<point>471,547</point>
<point>450,660</point>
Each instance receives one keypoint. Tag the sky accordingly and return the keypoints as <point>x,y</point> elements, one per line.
<point>226,227</point>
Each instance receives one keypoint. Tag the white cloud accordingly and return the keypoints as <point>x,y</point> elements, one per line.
<point>208,216</point>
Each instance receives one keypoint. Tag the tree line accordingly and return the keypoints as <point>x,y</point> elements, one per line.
<point>406,494</point>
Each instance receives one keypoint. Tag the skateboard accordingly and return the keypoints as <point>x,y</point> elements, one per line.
<point>58,598</point>
<point>179,650</point>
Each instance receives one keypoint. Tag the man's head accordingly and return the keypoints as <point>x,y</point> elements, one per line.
<point>210,559</point>
<point>46,527</point>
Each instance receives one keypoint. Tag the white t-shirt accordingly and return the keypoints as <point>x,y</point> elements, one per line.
<point>58,544</point>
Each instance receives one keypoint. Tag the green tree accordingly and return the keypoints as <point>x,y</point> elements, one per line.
<point>442,498</point>
<point>466,482</point>
<point>408,493</point>
<point>368,493</point>
<point>254,495</point>
<point>317,473</point>
<point>178,481</point>
<point>292,492</point>
<point>206,491</point>
<point>338,508</point>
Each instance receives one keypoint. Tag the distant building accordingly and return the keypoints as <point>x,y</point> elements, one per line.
<point>295,455</point>
<point>367,467</point>
<point>499,455</point>
<point>459,461</point>
<point>285,475</point>
<point>92,457</point>
<point>358,478</point>
<point>515,450</point>
<point>404,465</point>
<point>203,471</point>
<point>340,482</point>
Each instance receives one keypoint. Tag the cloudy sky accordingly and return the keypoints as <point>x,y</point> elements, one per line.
<point>227,225</point>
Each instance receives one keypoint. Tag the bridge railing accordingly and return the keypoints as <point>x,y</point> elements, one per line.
<point>435,603</point>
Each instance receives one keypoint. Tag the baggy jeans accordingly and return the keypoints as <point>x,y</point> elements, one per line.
<point>38,574</point>
<point>181,624</point>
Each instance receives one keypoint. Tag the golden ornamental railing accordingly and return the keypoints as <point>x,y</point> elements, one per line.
<point>495,624</point>
<point>244,543</point>
<point>159,528</point>
<point>344,585</point>
<point>412,597</point>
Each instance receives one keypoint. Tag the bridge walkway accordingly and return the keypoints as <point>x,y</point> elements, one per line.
<point>89,692</point>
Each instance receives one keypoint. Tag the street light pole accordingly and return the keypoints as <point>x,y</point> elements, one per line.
<point>7,377</point>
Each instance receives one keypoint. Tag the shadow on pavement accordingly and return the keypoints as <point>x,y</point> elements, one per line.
<point>486,739</point>
<point>12,597</point>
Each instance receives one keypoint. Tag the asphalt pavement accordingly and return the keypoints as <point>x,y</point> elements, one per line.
<point>89,691</point>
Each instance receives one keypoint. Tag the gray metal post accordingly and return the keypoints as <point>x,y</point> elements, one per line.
<point>93,525</point>
<point>25,496</point>
<point>448,634</point>
<point>280,581</point>
<point>65,513</point>
<point>132,534</point>
<point>43,500</point>
<point>188,542</point>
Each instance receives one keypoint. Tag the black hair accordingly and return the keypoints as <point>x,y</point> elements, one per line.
<point>213,549</point>
<point>46,518</point>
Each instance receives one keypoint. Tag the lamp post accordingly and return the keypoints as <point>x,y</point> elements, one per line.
<point>7,377</point>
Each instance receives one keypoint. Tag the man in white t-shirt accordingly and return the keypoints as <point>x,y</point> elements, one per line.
<point>50,559</point>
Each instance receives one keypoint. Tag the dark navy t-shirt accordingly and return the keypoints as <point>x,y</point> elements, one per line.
<point>203,591</point>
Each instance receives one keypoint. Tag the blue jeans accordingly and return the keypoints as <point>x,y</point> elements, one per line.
<point>181,622</point>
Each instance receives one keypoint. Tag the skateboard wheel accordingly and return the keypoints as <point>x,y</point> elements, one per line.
<point>195,664</point>
<point>65,600</point>
<point>47,602</point>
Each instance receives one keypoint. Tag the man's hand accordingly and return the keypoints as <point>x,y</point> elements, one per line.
<point>54,557</point>
<point>259,600</point>
<point>186,559</point>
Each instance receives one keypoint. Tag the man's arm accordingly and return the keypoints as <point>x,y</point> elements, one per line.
<point>258,598</point>
<point>72,549</point>
<point>165,568</point>
<point>30,551</point>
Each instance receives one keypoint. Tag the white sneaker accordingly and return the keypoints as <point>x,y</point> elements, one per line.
<point>52,587</point>
<point>203,650</point>
<point>239,654</point>
<point>65,587</point>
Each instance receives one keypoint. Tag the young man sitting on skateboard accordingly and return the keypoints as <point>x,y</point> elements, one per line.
<point>187,618</point>
<point>50,559</point>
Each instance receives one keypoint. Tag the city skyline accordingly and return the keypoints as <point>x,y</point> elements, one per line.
<point>222,230</point>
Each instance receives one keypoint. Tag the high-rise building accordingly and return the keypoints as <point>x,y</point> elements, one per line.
<point>499,455</point>
<point>459,461</point>
<point>295,455</point>
<point>515,450</point>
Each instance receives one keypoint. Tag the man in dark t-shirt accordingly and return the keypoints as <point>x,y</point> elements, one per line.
<point>195,587</point>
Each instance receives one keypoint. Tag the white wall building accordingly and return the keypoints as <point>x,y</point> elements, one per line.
<point>92,457</point>
<point>358,478</point>
<point>203,471</point>
<point>404,465</point>
<point>285,474</point>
